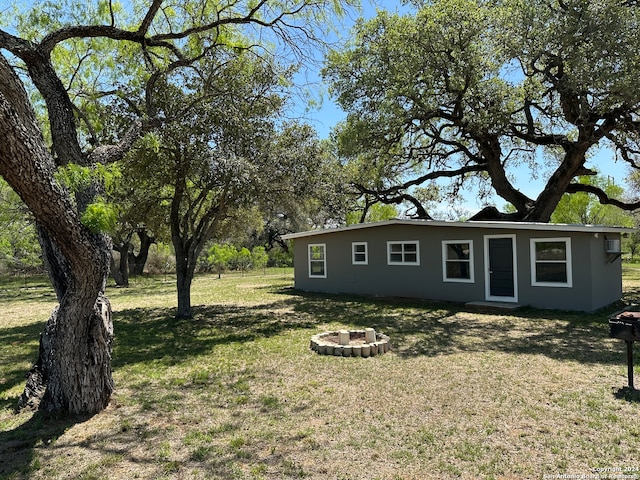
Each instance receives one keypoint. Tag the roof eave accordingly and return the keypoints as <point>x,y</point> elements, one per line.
<point>558,227</point>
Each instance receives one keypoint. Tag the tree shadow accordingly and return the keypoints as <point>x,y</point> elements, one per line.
<point>141,335</point>
<point>416,328</point>
<point>630,395</point>
<point>146,334</point>
<point>24,350</point>
<point>17,446</point>
<point>16,290</point>
<point>437,328</point>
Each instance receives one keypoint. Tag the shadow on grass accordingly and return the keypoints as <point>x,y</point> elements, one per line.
<point>142,335</point>
<point>18,290</point>
<point>155,334</point>
<point>416,328</point>
<point>19,347</point>
<point>431,329</point>
<point>17,446</point>
<point>631,395</point>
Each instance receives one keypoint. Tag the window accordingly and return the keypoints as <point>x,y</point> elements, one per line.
<point>359,253</point>
<point>551,262</point>
<point>317,260</point>
<point>457,261</point>
<point>403,253</point>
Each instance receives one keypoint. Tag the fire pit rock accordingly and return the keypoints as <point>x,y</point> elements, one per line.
<point>351,343</point>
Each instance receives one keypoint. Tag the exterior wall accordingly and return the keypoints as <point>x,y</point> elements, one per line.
<point>596,281</point>
<point>606,273</point>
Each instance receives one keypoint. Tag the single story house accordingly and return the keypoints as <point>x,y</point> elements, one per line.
<point>568,267</point>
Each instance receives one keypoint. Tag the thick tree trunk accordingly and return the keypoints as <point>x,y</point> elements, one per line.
<point>73,373</point>
<point>547,201</point>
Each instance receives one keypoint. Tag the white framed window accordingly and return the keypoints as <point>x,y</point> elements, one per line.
<point>359,253</point>
<point>403,253</point>
<point>457,261</point>
<point>551,262</point>
<point>318,260</point>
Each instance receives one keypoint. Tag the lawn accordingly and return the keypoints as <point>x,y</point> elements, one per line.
<point>235,393</point>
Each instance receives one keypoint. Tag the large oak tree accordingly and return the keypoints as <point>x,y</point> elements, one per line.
<point>471,90</point>
<point>73,373</point>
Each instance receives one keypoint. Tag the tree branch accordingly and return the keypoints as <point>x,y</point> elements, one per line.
<point>112,153</point>
<point>603,198</point>
<point>148,18</point>
<point>396,200</point>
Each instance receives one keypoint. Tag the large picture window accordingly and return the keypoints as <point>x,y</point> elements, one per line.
<point>318,260</point>
<point>457,261</point>
<point>551,262</point>
<point>359,254</point>
<point>403,253</point>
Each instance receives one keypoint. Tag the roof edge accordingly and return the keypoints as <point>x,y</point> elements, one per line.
<point>558,227</point>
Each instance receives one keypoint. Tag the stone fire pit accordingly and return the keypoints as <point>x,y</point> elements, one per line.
<point>351,343</point>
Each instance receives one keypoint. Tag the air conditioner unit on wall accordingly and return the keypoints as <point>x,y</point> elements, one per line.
<point>612,246</point>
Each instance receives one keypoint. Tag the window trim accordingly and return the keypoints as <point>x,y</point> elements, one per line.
<point>445,259</point>
<point>403,243</point>
<point>353,253</point>
<point>567,262</point>
<point>324,259</point>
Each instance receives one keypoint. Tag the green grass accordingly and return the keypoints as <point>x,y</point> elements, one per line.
<point>235,392</point>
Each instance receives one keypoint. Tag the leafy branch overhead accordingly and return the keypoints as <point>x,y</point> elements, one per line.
<point>468,92</point>
<point>168,36</point>
<point>93,71</point>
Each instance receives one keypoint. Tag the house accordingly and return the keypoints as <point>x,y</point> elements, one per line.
<point>569,267</point>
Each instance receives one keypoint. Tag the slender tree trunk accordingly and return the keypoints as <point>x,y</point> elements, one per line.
<point>184,276</point>
<point>123,265</point>
<point>120,270</point>
<point>184,295</point>
<point>137,262</point>
<point>181,244</point>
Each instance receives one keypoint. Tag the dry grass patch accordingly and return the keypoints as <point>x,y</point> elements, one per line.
<point>236,392</point>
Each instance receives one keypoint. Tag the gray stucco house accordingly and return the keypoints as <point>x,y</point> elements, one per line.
<point>568,267</point>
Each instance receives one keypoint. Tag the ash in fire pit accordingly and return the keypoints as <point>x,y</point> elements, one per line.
<point>351,343</point>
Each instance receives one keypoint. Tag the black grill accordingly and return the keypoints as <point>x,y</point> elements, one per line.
<point>625,325</point>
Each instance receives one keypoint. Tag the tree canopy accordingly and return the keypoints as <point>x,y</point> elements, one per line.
<point>469,91</point>
<point>222,152</point>
<point>64,59</point>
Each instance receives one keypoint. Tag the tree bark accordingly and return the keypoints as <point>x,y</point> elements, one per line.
<point>137,262</point>
<point>73,373</point>
<point>184,276</point>
<point>120,269</point>
<point>183,281</point>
